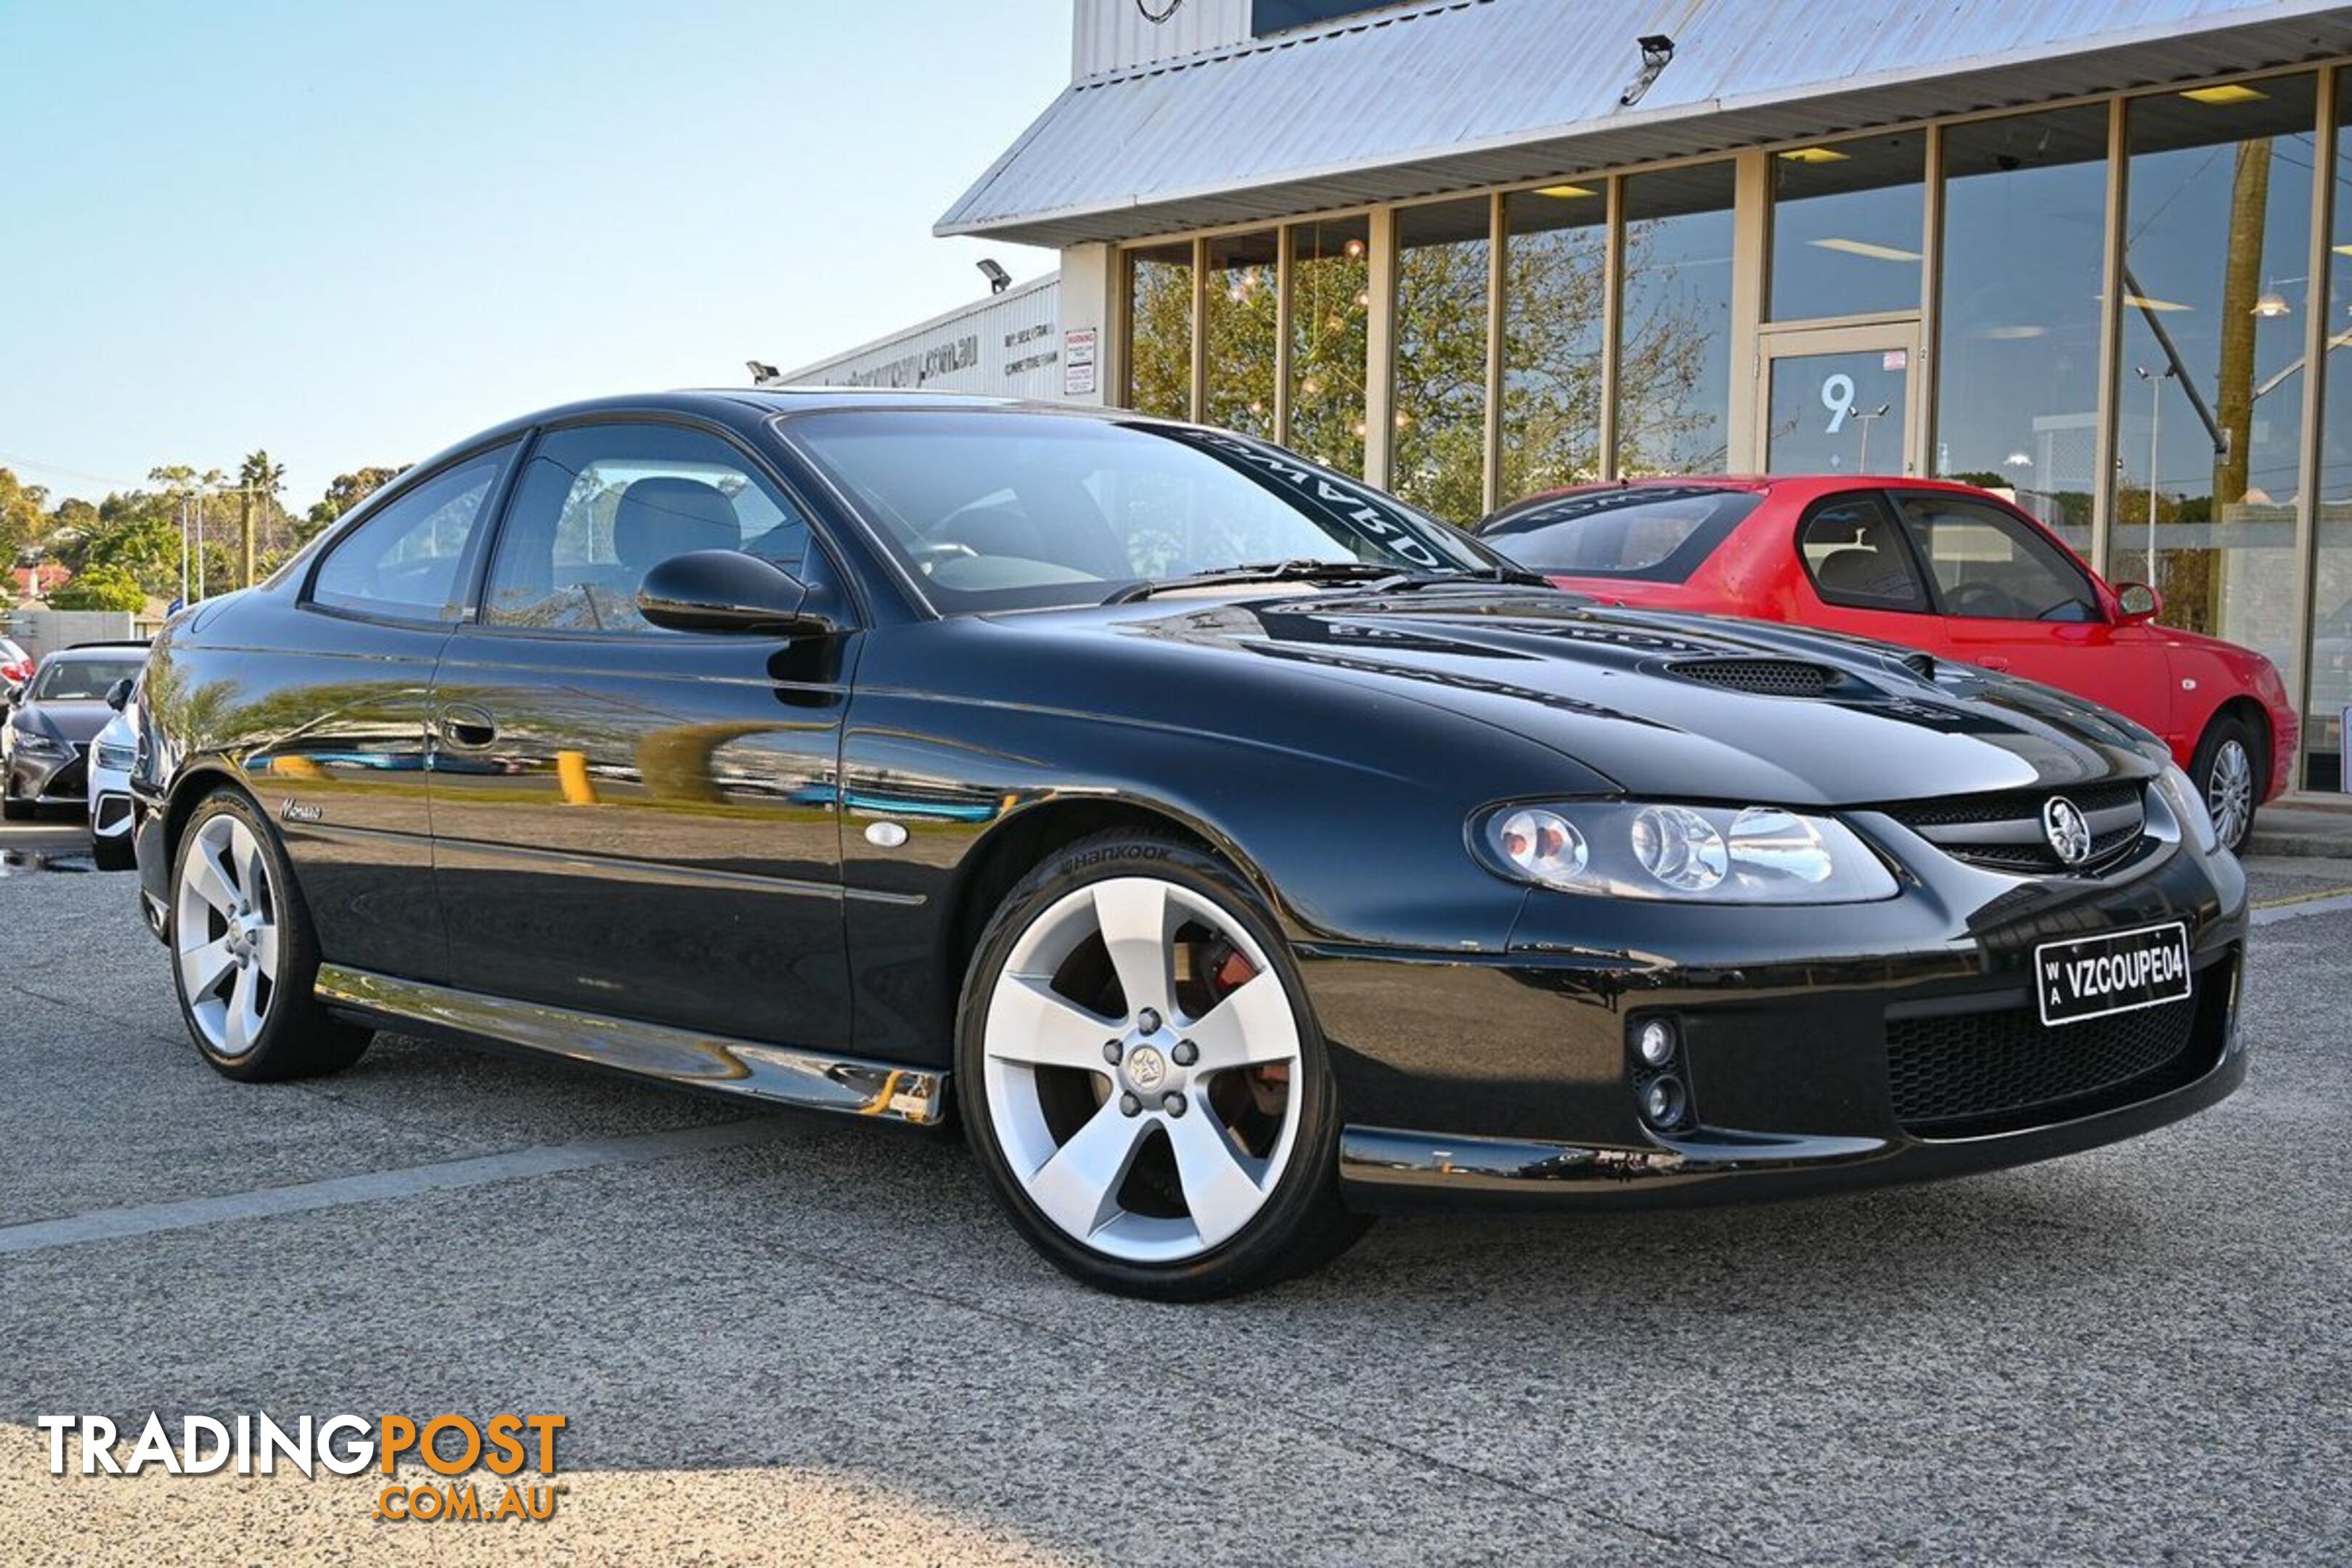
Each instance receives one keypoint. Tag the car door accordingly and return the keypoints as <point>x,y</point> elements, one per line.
<point>630,821</point>
<point>2011,600</point>
<point>334,692</point>
<point>1860,575</point>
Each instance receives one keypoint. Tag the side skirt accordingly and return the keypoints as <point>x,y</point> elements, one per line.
<point>775,1073</point>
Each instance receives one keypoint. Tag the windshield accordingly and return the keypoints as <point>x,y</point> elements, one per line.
<point>80,679</point>
<point>1656,533</point>
<point>994,510</point>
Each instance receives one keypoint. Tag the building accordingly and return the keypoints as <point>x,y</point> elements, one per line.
<point>1469,248</point>
<point>1007,344</point>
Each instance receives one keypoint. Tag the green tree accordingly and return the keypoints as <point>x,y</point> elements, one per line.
<point>258,480</point>
<point>103,588</point>
<point>22,522</point>
<point>344,492</point>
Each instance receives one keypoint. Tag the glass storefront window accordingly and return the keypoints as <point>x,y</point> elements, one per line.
<point>1443,252</point>
<point>2017,373</point>
<point>1554,261</point>
<point>1159,330</point>
<point>2331,581</point>
<point>1847,220</point>
<point>1674,359</point>
<point>2209,389</point>
<point>1330,306</point>
<point>1239,333</point>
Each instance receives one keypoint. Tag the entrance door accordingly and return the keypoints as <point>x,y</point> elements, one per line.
<point>1838,400</point>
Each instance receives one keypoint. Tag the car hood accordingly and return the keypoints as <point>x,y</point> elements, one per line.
<point>78,721</point>
<point>1655,699</point>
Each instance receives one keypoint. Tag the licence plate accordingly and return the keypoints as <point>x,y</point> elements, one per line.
<point>2093,976</point>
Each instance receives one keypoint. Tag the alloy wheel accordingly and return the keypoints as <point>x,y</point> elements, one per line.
<point>1142,1057</point>
<point>226,935</point>
<point>2229,791</point>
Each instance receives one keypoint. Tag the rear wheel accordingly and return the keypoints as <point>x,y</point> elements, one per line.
<point>243,954</point>
<point>2229,777</point>
<point>1142,1080</point>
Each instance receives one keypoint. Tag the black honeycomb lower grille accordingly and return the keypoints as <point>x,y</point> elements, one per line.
<point>1958,1075</point>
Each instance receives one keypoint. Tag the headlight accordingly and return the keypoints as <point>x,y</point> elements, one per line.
<point>2188,808</point>
<point>1710,854</point>
<point>34,744</point>
<point>117,759</point>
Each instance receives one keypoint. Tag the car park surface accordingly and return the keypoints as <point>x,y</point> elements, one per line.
<point>812,1335</point>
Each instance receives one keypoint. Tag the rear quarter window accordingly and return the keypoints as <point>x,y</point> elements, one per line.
<point>1652,534</point>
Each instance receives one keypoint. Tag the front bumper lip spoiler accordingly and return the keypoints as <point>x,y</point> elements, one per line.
<point>1389,1167</point>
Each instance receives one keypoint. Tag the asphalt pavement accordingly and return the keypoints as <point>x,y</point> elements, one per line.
<point>791,1338</point>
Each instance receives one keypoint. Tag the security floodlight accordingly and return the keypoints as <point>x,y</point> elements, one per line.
<point>999,279</point>
<point>1657,52</point>
<point>762,373</point>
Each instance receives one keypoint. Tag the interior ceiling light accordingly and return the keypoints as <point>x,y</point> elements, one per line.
<point>1813,155</point>
<point>2142,303</point>
<point>1567,193</point>
<point>1864,248</point>
<point>2228,92</point>
<point>2272,303</point>
<point>2012,334</point>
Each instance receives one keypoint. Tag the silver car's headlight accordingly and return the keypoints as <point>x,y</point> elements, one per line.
<point>1699,854</point>
<point>2188,808</point>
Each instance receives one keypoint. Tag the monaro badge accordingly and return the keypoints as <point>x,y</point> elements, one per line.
<point>2069,835</point>
<point>302,811</point>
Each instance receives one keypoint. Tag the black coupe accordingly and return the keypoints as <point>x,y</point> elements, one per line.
<point>1238,851</point>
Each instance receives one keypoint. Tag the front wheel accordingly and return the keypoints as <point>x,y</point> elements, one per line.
<point>243,954</point>
<point>2226,774</point>
<point>1140,1077</point>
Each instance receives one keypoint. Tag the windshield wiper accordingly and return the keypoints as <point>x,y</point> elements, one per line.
<point>1294,571</point>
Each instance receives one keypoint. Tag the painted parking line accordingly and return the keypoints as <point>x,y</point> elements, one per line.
<point>541,1160</point>
<point>2327,901</point>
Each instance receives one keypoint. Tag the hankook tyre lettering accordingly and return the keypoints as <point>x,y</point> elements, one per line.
<point>1235,852</point>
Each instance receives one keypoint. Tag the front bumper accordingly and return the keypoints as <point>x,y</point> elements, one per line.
<point>50,779</point>
<point>1509,1078</point>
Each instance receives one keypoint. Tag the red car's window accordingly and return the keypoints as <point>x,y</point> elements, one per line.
<point>1856,555</point>
<point>1990,566</point>
<point>1653,533</point>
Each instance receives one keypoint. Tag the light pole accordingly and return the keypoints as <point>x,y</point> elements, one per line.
<point>2155,380</point>
<point>1865,419</point>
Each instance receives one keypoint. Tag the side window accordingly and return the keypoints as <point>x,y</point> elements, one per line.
<point>600,505</point>
<point>406,560</point>
<point>1856,556</point>
<point>1991,566</point>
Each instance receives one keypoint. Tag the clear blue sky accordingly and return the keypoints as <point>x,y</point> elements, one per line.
<point>352,233</point>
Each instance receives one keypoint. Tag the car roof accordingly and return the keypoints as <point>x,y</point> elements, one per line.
<point>1802,485</point>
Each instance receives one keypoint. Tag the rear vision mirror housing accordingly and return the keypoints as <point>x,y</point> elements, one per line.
<point>727,591</point>
<point>2138,602</point>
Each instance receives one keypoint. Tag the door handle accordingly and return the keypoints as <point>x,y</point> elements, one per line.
<point>465,727</point>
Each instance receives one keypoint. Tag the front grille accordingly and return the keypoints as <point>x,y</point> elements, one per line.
<point>2004,832</point>
<point>1967,1073</point>
<point>1764,677</point>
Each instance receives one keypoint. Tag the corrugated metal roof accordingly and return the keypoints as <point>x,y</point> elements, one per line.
<point>1473,92</point>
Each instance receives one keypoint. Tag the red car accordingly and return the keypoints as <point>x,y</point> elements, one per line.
<point>1934,565</point>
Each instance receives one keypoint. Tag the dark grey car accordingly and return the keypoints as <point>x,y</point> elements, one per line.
<point>52,721</point>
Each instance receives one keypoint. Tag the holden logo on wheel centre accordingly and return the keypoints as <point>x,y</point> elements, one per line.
<point>1146,1067</point>
<point>2069,835</point>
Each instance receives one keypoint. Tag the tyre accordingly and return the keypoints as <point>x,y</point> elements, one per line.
<point>244,953</point>
<point>1142,1079</point>
<point>2229,777</point>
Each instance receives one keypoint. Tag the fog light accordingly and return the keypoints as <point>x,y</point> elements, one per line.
<point>1655,1043</point>
<point>1663,1100</point>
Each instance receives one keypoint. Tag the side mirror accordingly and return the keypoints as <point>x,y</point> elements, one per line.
<point>2138,602</point>
<point>117,696</point>
<point>727,591</point>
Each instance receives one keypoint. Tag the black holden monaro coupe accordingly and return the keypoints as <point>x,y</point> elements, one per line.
<point>1239,851</point>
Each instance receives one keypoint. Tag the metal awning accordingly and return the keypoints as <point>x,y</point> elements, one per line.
<point>1454,96</point>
